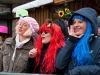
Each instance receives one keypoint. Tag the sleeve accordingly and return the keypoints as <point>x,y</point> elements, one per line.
<point>85,70</point>
<point>1,57</point>
<point>30,65</point>
<point>64,55</point>
<point>88,69</point>
<point>1,61</point>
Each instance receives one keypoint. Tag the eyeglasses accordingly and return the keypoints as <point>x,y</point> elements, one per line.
<point>46,32</point>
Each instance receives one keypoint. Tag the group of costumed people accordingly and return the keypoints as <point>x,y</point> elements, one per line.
<point>66,48</point>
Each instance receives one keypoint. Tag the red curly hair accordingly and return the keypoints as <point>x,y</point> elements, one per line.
<point>57,42</point>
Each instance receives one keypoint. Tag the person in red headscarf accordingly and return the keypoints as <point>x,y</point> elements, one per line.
<point>42,58</point>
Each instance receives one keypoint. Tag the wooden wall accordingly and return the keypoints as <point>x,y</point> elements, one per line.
<point>40,14</point>
<point>47,11</point>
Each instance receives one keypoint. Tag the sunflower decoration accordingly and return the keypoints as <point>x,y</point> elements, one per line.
<point>64,12</point>
<point>61,13</point>
<point>67,12</point>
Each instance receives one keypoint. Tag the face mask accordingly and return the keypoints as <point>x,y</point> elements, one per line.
<point>1,43</point>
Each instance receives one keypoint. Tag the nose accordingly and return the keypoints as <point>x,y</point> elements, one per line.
<point>20,26</point>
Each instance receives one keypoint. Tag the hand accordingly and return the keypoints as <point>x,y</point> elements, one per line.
<point>72,33</point>
<point>32,53</point>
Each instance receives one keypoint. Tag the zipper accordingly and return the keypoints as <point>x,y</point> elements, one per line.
<point>18,58</point>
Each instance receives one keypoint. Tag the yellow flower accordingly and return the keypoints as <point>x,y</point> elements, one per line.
<point>67,11</point>
<point>61,13</point>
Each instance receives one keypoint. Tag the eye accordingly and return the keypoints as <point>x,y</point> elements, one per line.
<point>25,24</point>
<point>80,21</point>
<point>46,32</point>
<point>74,22</point>
<point>19,23</point>
<point>40,32</point>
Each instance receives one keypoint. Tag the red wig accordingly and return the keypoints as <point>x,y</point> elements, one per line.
<point>57,42</point>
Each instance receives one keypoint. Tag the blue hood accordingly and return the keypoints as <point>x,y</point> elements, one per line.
<point>90,14</point>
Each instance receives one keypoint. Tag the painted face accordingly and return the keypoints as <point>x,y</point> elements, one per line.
<point>22,27</point>
<point>98,31</point>
<point>79,26</point>
<point>46,37</point>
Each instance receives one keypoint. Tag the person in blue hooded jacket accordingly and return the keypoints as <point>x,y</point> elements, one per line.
<point>81,54</point>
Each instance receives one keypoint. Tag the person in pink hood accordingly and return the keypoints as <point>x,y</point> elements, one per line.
<point>14,53</point>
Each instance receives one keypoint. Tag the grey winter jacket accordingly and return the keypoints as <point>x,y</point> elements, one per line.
<point>18,65</point>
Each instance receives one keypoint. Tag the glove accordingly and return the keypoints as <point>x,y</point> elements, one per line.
<point>72,39</point>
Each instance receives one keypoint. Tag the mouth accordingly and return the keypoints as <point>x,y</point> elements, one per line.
<point>77,29</point>
<point>20,30</point>
<point>43,37</point>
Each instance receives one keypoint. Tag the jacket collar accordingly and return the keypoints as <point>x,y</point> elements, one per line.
<point>29,45</point>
